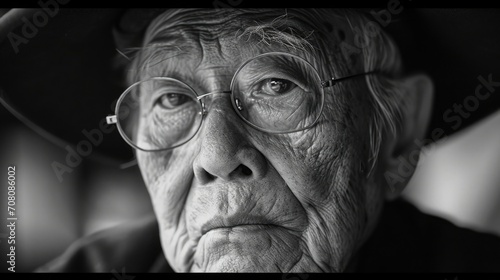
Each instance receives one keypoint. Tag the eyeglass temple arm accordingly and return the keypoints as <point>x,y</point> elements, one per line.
<point>333,81</point>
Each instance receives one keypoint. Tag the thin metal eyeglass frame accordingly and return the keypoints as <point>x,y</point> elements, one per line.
<point>113,119</point>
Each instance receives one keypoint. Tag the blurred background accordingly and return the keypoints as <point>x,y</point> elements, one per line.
<point>53,213</point>
<point>457,179</point>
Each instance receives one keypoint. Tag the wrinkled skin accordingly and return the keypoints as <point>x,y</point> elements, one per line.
<point>238,199</point>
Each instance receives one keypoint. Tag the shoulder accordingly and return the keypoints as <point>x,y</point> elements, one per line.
<point>129,247</point>
<point>409,240</point>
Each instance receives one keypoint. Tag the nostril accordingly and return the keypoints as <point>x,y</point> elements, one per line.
<point>209,176</point>
<point>243,170</point>
<point>204,176</point>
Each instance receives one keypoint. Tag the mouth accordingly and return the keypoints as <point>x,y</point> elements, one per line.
<point>236,223</point>
<point>242,228</point>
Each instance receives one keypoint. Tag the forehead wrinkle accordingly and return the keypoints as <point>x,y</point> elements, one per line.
<point>186,68</point>
<point>208,63</point>
<point>169,59</point>
<point>159,66</point>
<point>155,55</point>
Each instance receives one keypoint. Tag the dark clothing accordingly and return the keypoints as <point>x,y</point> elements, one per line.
<point>406,240</point>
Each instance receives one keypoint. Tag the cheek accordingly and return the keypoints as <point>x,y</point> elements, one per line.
<point>168,177</point>
<point>321,168</point>
<point>308,161</point>
<point>152,166</point>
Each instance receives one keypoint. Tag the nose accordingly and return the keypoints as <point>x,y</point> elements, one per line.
<point>226,152</point>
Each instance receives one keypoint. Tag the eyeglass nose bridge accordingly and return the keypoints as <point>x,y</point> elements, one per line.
<point>200,97</point>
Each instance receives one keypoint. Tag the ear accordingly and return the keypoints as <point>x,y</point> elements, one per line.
<point>400,152</point>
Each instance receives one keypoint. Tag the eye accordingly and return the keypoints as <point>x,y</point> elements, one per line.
<point>172,100</point>
<point>274,86</point>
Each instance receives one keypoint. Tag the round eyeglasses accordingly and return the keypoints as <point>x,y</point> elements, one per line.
<point>273,92</point>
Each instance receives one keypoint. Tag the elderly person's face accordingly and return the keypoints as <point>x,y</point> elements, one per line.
<point>235,198</point>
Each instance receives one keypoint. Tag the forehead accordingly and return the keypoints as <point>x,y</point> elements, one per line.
<point>213,38</point>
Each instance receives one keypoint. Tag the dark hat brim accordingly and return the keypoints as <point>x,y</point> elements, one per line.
<point>58,69</point>
<point>460,50</point>
<point>60,76</point>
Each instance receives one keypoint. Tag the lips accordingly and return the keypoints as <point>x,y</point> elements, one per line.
<point>235,221</point>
